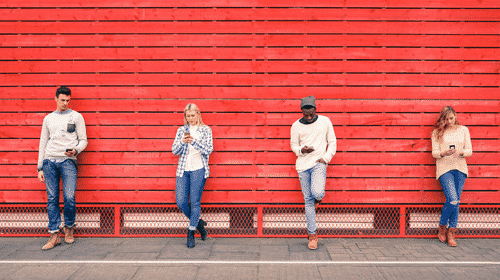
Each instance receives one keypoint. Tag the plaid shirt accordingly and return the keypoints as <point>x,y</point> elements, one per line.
<point>205,146</point>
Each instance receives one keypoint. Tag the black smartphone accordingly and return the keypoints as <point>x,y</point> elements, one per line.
<point>452,147</point>
<point>69,150</point>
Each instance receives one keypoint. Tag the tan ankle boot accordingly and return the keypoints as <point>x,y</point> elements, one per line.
<point>451,237</point>
<point>54,240</point>
<point>313,241</point>
<point>68,235</point>
<point>442,233</point>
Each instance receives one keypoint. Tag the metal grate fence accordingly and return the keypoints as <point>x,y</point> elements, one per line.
<point>255,220</point>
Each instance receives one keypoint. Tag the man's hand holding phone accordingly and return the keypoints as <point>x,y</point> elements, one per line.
<point>307,149</point>
<point>70,152</point>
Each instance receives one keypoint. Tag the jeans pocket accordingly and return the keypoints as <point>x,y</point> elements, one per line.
<point>71,127</point>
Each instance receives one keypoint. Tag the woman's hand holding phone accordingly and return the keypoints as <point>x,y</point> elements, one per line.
<point>187,138</point>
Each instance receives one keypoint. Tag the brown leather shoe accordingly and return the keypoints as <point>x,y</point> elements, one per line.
<point>316,203</point>
<point>451,237</point>
<point>68,235</point>
<point>54,240</point>
<point>442,232</point>
<point>313,241</point>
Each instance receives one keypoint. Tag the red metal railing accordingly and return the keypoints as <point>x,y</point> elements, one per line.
<point>475,221</point>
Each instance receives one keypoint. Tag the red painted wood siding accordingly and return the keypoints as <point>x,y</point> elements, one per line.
<point>382,70</point>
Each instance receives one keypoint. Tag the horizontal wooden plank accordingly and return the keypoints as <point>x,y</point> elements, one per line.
<point>227,145</point>
<point>274,27</point>
<point>252,132</point>
<point>258,171</point>
<point>254,184</point>
<point>70,53</point>
<point>251,66</point>
<point>245,158</point>
<point>104,14</point>
<point>114,123</point>
<point>129,79</point>
<point>176,40</point>
<point>332,105</point>
<point>198,92</point>
<point>375,197</point>
<point>257,3</point>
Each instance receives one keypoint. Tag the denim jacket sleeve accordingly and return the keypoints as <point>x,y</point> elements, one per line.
<point>178,146</point>
<point>205,145</point>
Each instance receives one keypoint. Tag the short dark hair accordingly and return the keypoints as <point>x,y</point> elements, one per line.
<point>63,90</point>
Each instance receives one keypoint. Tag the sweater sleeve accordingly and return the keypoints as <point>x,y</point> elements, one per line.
<point>205,145</point>
<point>332,142</point>
<point>44,138</point>
<point>81,132</point>
<point>295,141</point>
<point>436,150</point>
<point>467,143</point>
<point>178,146</point>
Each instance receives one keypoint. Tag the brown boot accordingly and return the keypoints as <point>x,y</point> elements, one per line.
<point>451,237</point>
<point>68,235</point>
<point>442,232</point>
<point>54,240</point>
<point>313,241</point>
<point>316,203</point>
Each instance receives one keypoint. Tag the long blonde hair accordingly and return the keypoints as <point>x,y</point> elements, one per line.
<point>441,124</point>
<point>193,107</point>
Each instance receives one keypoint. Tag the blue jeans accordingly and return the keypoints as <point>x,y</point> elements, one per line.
<point>53,172</point>
<point>312,182</point>
<point>190,185</point>
<point>453,183</point>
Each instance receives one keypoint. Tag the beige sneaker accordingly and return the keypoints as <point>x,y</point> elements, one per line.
<point>54,240</point>
<point>313,241</point>
<point>68,235</point>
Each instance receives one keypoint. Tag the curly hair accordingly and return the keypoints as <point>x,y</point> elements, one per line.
<point>441,124</point>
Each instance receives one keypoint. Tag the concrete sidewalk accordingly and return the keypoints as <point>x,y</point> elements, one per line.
<point>249,258</point>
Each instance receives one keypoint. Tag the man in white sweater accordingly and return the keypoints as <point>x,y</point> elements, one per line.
<point>63,137</point>
<point>313,141</point>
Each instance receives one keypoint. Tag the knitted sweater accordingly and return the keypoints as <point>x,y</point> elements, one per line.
<point>61,131</point>
<point>318,134</point>
<point>461,139</point>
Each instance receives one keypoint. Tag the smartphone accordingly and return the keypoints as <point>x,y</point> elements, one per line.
<point>69,150</point>
<point>187,134</point>
<point>452,147</point>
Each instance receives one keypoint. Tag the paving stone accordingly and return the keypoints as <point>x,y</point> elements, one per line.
<point>201,252</point>
<point>46,271</point>
<point>126,256</point>
<point>227,272</point>
<point>139,248</point>
<point>105,272</point>
<point>168,272</point>
<point>234,252</point>
<point>304,253</point>
<point>349,272</point>
<point>411,272</point>
<point>274,252</point>
<point>468,272</point>
<point>296,271</point>
<point>6,270</point>
<point>35,255</point>
<point>85,252</point>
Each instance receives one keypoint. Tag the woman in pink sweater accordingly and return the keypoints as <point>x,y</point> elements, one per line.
<point>450,146</point>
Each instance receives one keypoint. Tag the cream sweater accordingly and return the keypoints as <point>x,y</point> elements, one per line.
<point>319,134</point>
<point>461,139</point>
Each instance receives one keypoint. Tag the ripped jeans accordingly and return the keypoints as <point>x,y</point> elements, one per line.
<point>453,183</point>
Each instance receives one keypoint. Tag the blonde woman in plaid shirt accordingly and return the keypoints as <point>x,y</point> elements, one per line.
<point>193,143</point>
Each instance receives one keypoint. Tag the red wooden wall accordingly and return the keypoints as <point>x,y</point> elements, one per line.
<point>382,70</point>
